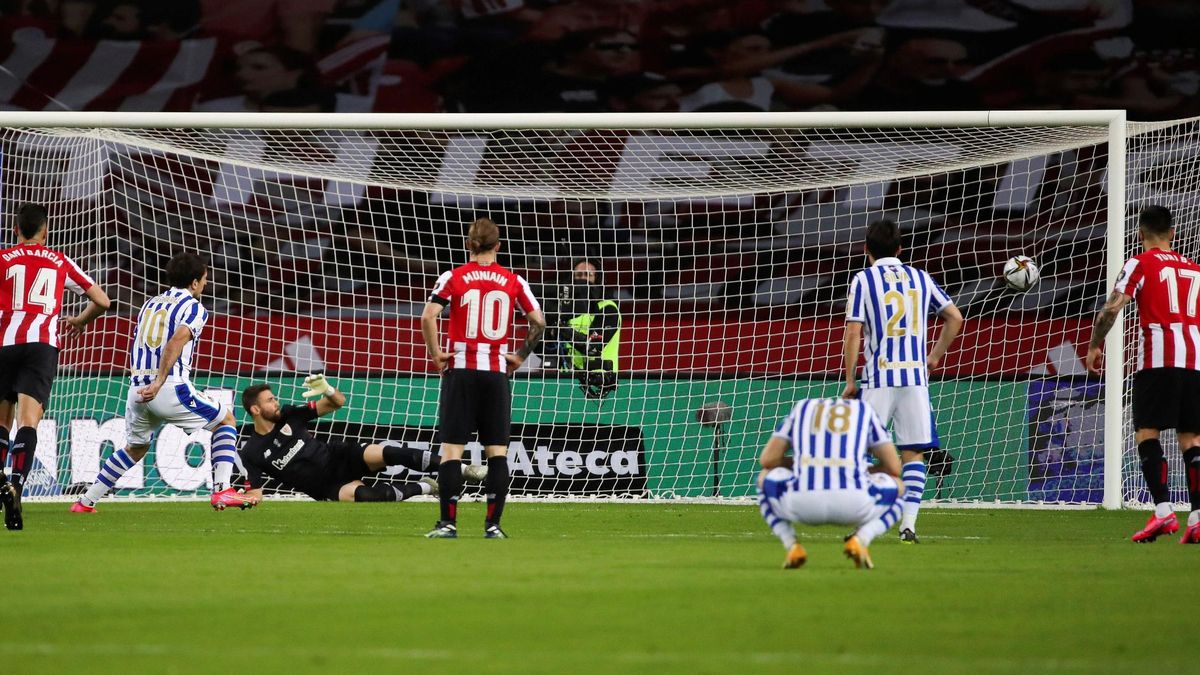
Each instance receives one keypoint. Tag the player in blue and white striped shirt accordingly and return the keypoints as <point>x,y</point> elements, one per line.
<point>892,301</point>
<point>832,479</point>
<point>160,358</point>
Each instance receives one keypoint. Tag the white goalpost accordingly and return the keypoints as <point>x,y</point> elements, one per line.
<point>727,241</point>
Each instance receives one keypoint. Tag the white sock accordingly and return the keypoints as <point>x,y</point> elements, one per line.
<point>1194,517</point>
<point>882,519</point>
<point>782,528</point>
<point>426,488</point>
<point>786,534</point>
<point>224,450</point>
<point>1163,509</point>
<point>913,475</point>
<point>111,471</point>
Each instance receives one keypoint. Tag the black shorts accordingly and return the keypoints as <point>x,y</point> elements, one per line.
<point>346,465</point>
<point>475,401</point>
<point>27,369</point>
<point>1167,398</point>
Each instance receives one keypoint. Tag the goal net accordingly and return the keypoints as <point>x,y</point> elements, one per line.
<point>726,242</point>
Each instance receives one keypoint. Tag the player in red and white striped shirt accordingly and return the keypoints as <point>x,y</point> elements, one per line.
<point>32,280</point>
<point>475,394</point>
<point>1166,389</point>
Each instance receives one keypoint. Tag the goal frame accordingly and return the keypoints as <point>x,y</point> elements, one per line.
<point>1113,120</point>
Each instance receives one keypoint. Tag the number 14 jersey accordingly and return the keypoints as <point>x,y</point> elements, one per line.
<point>481,300</point>
<point>32,279</point>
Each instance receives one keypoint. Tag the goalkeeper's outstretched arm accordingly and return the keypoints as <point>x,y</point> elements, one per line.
<point>331,399</point>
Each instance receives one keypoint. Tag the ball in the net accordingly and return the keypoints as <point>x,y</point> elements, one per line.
<point>1021,273</point>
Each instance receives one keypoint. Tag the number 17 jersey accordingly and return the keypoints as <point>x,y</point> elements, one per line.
<point>1166,287</point>
<point>481,300</point>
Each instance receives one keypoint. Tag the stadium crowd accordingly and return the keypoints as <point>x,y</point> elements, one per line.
<point>606,55</point>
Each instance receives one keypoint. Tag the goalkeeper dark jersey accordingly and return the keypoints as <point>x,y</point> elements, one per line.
<point>289,454</point>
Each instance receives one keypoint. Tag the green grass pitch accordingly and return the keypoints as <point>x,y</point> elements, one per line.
<point>581,588</point>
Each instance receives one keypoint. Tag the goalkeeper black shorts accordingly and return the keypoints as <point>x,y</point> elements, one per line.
<point>1167,398</point>
<point>475,401</point>
<point>344,465</point>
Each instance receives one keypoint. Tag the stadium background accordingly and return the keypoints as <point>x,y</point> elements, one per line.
<point>769,264</point>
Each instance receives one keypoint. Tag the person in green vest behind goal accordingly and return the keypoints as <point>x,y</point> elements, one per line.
<point>592,340</point>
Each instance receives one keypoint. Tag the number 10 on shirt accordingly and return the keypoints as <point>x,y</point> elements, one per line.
<point>489,315</point>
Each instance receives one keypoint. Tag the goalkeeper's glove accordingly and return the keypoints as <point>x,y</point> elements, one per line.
<point>318,386</point>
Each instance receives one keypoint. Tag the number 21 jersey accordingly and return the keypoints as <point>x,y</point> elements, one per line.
<point>481,299</point>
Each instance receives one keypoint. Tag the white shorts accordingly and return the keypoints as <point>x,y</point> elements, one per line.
<point>827,507</point>
<point>908,411</point>
<point>177,403</point>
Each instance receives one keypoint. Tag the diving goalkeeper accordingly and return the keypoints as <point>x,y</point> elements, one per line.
<point>282,448</point>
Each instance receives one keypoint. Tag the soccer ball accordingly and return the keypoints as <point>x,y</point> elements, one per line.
<point>1021,273</point>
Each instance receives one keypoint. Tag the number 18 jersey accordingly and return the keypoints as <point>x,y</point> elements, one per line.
<point>481,299</point>
<point>830,440</point>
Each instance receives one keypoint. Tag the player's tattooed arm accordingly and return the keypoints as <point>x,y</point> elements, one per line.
<point>1107,317</point>
<point>1105,320</point>
<point>537,326</point>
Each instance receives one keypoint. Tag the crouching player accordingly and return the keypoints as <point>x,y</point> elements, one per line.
<point>831,481</point>
<point>282,448</point>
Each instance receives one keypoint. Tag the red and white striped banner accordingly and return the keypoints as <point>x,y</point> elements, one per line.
<point>45,73</point>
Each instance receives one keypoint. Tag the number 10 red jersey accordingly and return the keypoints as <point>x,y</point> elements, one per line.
<point>481,300</point>
<point>1166,286</point>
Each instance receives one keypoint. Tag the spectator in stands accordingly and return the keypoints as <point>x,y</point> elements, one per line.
<point>798,22</point>
<point>921,73</point>
<point>942,15</point>
<point>733,58</point>
<point>644,92</point>
<point>574,82</point>
<point>671,29</point>
<point>262,72</point>
<point>76,17</point>
<point>579,16</point>
<point>433,29</point>
<point>1149,86</point>
<point>293,24</point>
<point>1063,79</point>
